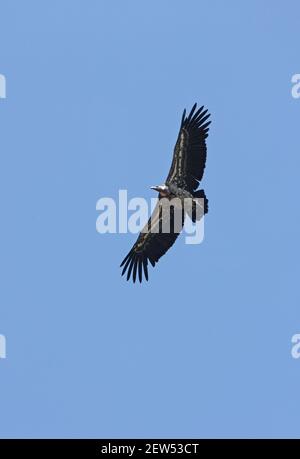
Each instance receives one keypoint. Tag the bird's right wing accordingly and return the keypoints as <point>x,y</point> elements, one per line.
<point>189,156</point>
<point>155,239</point>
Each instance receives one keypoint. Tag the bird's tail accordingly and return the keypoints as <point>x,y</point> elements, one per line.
<point>200,205</point>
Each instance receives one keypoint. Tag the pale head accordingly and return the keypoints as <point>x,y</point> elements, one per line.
<point>163,190</point>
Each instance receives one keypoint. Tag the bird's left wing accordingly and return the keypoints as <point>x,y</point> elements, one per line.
<point>153,242</point>
<point>190,150</point>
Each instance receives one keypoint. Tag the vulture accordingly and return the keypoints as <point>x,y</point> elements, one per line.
<point>186,171</point>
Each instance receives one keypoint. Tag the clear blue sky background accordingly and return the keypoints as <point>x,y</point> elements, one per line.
<point>95,91</point>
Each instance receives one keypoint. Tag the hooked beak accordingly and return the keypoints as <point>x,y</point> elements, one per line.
<point>155,188</point>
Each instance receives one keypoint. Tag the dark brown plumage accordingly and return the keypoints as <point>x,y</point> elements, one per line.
<point>186,172</point>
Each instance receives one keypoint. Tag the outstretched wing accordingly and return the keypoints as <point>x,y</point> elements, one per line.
<point>153,242</point>
<point>190,150</point>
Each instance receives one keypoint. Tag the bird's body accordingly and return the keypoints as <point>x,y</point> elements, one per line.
<point>178,196</point>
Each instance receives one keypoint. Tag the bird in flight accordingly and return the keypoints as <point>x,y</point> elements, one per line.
<point>187,169</point>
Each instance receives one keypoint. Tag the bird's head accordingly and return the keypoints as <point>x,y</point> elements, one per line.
<point>163,190</point>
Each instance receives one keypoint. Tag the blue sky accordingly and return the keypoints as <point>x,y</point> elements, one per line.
<point>95,92</point>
